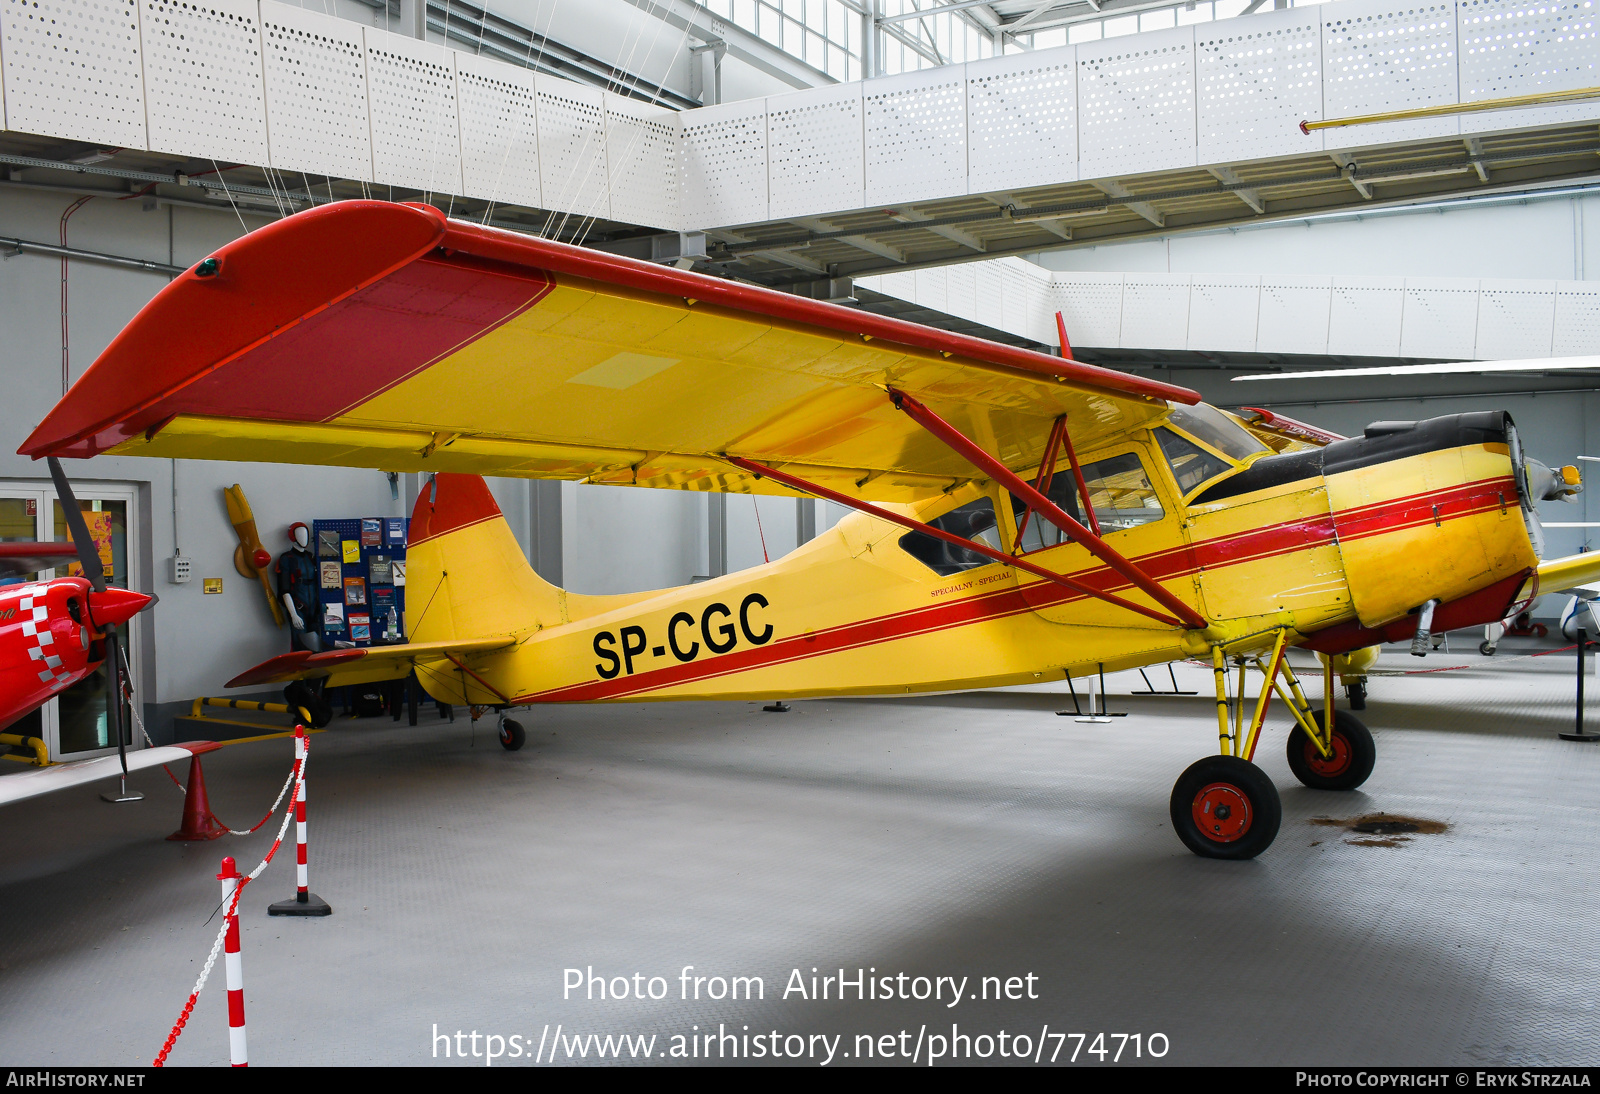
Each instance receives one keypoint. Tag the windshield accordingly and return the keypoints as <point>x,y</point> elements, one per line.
<point>1191,464</point>
<point>1210,426</point>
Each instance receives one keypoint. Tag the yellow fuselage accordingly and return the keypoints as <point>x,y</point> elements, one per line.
<point>1338,559</point>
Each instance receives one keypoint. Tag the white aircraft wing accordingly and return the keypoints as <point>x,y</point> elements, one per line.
<point>30,784</point>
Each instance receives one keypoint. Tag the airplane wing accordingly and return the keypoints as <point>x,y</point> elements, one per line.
<point>1559,574</point>
<point>30,784</point>
<point>363,664</point>
<point>418,343</point>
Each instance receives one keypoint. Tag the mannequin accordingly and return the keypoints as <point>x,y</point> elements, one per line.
<point>297,588</point>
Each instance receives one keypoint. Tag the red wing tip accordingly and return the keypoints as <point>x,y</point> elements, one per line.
<point>197,747</point>
<point>285,665</point>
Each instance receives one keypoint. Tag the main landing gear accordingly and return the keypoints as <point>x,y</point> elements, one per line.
<point>1225,806</point>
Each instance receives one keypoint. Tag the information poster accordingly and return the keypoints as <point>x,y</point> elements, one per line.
<point>355,590</point>
<point>332,575</point>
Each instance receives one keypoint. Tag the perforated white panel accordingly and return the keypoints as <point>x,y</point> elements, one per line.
<point>901,285</point>
<point>1091,306</point>
<point>72,69</point>
<point>723,168</point>
<point>933,288</point>
<point>916,135</point>
<point>202,71</point>
<point>1379,56</point>
<point>499,131</point>
<point>1136,107</point>
<point>1155,311</point>
<point>1365,318</point>
<point>1294,315</point>
<point>961,290</point>
<point>1577,318</point>
<point>1513,47</point>
<point>572,147</point>
<point>1015,297</point>
<point>642,158</point>
<point>1516,319</point>
<point>1022,120</point>
<point>416,141</point>
<point>1223,310</point>
<point>815,151</point>
<point>316,77</point>
<point>988,309</point>
<point>1441,318</point>
<point>1256,78</point>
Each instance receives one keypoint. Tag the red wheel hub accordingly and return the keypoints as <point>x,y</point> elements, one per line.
<point>1221,812</point>
<point>1330,767</point>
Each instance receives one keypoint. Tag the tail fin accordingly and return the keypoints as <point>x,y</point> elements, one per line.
<point>466,577</point>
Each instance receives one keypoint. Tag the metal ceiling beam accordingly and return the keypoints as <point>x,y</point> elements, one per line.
<point>871,246</point>
<point>1347,164</point>
<point>1250,197</point>
<point>1115,189</point>
<point>743,45</point>
<point>938,9</point>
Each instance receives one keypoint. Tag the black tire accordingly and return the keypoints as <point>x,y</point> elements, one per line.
<point>1486,648</point>
<point>299,694</point>
<point>511,735</point>
<point>1357,691</point>
<point>1225,807</point>
<point>1354,753</point>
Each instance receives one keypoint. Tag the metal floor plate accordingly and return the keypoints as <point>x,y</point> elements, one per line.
<point>963,835</point>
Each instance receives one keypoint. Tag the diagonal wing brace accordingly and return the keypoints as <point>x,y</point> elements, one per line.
<point>1046,508</point>
<point>949,537</point>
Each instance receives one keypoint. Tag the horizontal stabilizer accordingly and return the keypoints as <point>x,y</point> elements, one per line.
<point>30,784</point>
<point>304,665</point>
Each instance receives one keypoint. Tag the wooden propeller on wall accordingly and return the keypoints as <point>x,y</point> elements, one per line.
<point>250,558</point>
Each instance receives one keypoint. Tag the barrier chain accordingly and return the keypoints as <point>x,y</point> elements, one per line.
<point>232,906</point>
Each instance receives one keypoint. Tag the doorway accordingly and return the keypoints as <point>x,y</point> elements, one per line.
<point>74,724</point>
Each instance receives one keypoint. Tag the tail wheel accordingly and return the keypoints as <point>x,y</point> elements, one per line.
<point>300,694</point>
<point>1353,754</point>
<point>1225,807</point>
<point>511,735</point>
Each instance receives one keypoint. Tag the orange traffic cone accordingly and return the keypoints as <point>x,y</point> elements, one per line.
<point>198,823</point>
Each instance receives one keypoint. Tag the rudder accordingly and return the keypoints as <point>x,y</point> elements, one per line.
<point>466,576</point>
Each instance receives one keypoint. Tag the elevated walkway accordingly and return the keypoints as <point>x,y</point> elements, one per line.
<point>1158,132</point>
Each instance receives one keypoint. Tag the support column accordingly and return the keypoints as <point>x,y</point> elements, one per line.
<point>716,534</point>
<point>544,530</point>
<point>805,521</point>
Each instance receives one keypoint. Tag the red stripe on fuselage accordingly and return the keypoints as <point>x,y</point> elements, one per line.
<point>1256,544</point>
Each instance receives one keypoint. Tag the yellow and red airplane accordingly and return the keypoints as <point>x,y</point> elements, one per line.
<point>1021,517</point>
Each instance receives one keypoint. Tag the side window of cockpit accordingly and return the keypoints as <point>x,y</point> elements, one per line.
<point>1191,465</point>
<point>1119,489</point>
<point>974,521</point>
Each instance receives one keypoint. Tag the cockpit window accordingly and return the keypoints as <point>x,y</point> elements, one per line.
<point>1119,490</point>
<point>974,520</point>
<point>1210,426</point>
<point>1191,464</point>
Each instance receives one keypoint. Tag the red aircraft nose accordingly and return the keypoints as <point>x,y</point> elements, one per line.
<point>114,606</point>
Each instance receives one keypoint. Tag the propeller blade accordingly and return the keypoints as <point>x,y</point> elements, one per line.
<point>88,556</point>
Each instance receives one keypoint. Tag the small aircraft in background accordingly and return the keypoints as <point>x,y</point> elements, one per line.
<point>1020,517</point>
<point>55,632</point>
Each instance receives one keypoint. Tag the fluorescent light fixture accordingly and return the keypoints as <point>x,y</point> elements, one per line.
<point>1570,523</point>
<point>1542,364</point>
<point>1589,459</point>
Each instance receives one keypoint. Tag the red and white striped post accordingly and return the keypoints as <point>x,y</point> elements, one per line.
<point>234,964</point>
<point>305,902</point>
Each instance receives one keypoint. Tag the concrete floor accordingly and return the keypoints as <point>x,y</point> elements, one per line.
<point>968,836</point>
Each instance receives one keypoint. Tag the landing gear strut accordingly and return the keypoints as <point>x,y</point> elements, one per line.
<point>1225,806</point>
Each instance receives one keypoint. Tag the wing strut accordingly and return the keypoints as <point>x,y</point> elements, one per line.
<point>1048,509</point>
<point>949,537</point>
<point>1059,438</point>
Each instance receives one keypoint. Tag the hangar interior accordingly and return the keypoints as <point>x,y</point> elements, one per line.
<point>975,166</point>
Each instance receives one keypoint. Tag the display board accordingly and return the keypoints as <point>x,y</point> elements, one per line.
<point>361,586</point>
